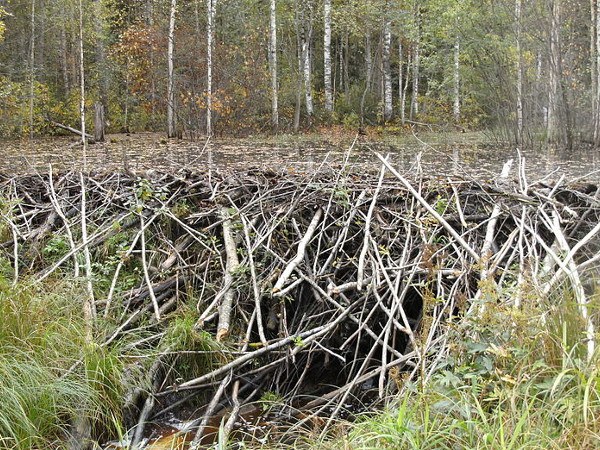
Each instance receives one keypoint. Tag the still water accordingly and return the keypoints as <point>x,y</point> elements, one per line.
<point>468,155</point>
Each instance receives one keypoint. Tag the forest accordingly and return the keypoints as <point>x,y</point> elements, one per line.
<point>527,70</point>
<point>259,255</point>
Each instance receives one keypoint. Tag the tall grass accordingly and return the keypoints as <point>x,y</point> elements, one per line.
<point>514,379</point>
<point>49,376</point>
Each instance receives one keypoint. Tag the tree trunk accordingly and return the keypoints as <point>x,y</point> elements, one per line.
<point>405,89</point>
<point>32,69</point>
<point>63,56</point>
<point>400,75</point>
<point>555,129</point>
<point>171,75</point>
<point>327,55</point>
<point>369,76</point>
<point>368,60</point>
<point>99,122</point>
<point>211,10</point>
<point>102,71</point>
<point>306,37</point>
<point>300,65</point>
<point>273,65</point>
<point>593,61</point>
<point>597,97</point>
<point>387,69</point>
<point>82,87</point>
<point>518,15</point>
<point>414,101</point>
<point>456,108</point>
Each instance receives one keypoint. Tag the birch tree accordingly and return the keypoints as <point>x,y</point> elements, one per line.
<point>305,39</point>
<point>556,131</point>
<point>31,69</point>
<point>171,75</point>
<point>327,55</point>
<point>273,64</point>
<point>211,10</point>
<point>414,103</point>
<point>518,17</point>
<point>387,70</point>
<point>456,106</point>
<point>596,100</point>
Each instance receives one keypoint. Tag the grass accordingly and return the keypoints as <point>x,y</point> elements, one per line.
<point>49,376</point>
<point>514,379</point>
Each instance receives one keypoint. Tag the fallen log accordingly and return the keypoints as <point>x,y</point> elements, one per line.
<point>89,137</point>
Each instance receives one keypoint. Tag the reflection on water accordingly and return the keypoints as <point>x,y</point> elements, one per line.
<point>152,151</point>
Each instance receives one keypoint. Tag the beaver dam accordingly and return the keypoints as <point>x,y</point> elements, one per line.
<point>254,302</point>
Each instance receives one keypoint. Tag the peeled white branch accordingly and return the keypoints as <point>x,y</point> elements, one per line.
<point>232,265</point>
<point>301,251</point>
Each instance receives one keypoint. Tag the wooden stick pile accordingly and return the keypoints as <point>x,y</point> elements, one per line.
<point>318,287</point>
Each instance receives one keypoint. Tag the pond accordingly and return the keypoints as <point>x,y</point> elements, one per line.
<point>470,155</point>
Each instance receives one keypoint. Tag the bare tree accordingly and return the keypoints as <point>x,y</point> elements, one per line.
<point>211,10</point>
<point>273,64</point>
<point>305,38</point>
<point>327,55</point>
<point>456,106</point>
<point>518,16</point>
<point>171,75</point>
<point>387,70</point>
<point>556,129</point>
<point>414,101</point>
<point>32,69</point>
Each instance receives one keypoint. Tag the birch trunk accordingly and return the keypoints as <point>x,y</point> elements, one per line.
<point>212,6</point>
<point>456,108</point>
<point>593,60</point>
<point>171,74</point>
<point>414,101</point>
<point>32,69</point>
<point>273,64</point>
<point>405,89</point>
<point>327,55</point>
<point>82,87</point>
<point>400,75</point>
<point>102,71</point>
<point>300,65</point>
<point>306,38</point>
<point>518,15</point>
<point>555,130</point>
<point>597,96</point>
<point>387,70</point>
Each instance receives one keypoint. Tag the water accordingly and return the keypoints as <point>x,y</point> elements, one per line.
<point>460,155</point>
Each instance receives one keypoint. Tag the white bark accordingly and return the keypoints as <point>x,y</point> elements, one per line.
<point>82,87</point>
<point>400,75</point>
<point>273,64</point>
<point>171,75</point>
<point>597,97</point>
<point>593,58</point>
<point>414,101</point>
<point>554,127</point>
<point>456,108</point>
<point>31,69</point>
<point>387,71</point>
<point>405,89</point>
<point>327,55</point>
<point>211,10</point>
<point>518,15</point>
<point>306,37</point>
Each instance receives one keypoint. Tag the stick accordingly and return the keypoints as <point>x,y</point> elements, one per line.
<point>231,266</point>
<point>301,251</point>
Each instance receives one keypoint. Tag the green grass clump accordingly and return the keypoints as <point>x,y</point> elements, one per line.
<point>49,374</point>
<point>514,379</point>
